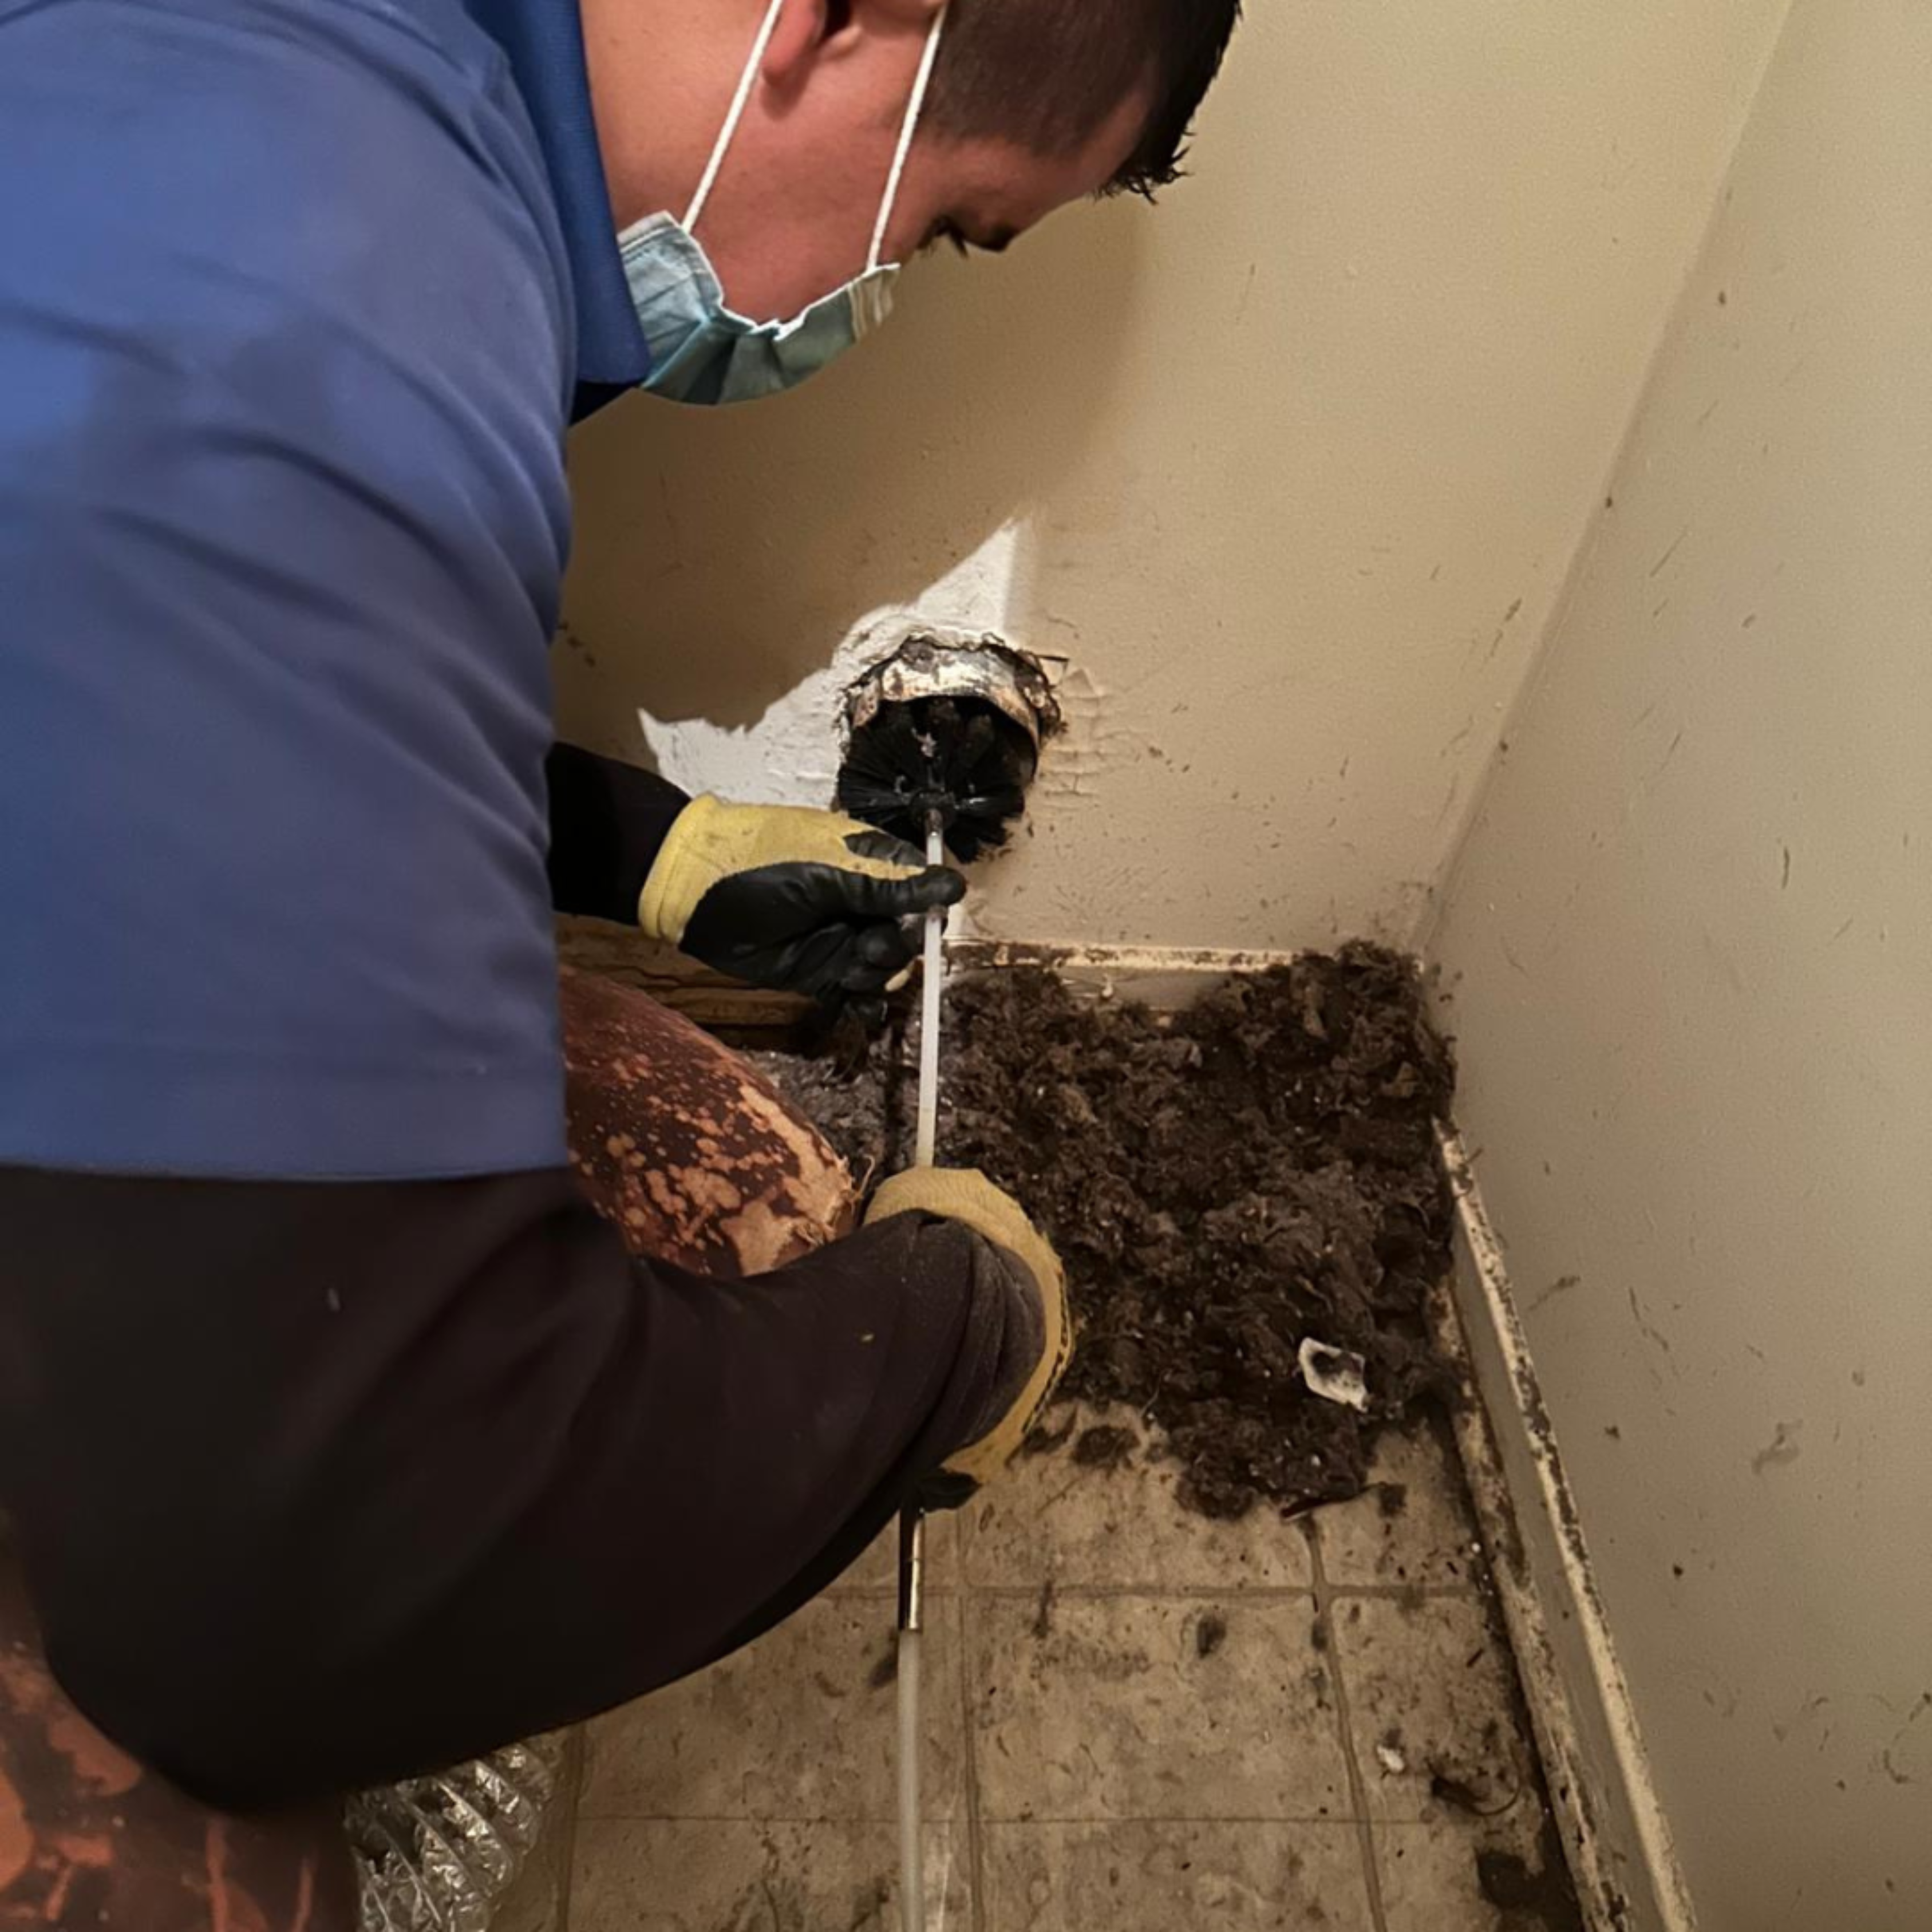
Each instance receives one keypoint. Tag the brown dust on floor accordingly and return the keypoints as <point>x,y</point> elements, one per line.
<point>1222,1183</point>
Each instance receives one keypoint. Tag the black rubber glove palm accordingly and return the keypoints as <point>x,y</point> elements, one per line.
<point>785,896</point>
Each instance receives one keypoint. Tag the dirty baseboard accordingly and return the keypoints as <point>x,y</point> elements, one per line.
<point>1157,975</point>
<point>1614,1830</point>
<point>1168,976</point>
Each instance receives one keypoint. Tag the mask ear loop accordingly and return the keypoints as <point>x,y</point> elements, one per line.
<point>908,128</point>
<point>732,116</point>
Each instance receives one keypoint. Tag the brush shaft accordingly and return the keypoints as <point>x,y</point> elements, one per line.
<point>912,1849</point>
<point>928,1019</point>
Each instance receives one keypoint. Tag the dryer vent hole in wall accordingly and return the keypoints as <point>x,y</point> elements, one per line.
<point>1225,1184</point>
<point>946,730</point>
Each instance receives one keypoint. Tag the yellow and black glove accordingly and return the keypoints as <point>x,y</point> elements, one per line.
<point>966,1195</point>
<point>785,896</point>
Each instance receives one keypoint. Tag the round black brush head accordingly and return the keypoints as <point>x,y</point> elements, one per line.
<point>960,757</point>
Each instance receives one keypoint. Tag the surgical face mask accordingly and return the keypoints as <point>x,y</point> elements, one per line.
<point>704,351</point>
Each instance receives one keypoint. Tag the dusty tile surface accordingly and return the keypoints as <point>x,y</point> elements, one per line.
<point>1430,1705</point>
<point>1086,1525</point>
<point>744,1875</point>
<point>799,1726</point>
<point>535,1904</point>
<point>1134,1724</point>
<point>1133,1707</point>
<point>1459,1873</point>
<point>1411,1526</point>
<point>1175,1877</point>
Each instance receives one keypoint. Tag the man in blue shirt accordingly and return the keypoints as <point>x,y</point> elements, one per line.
<point>323,1393</point>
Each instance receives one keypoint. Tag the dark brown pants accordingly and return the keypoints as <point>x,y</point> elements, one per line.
<point>316,1486</point>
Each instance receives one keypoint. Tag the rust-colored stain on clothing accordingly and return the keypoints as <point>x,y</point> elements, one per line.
<point>89,1840</point>
<point>691,1153</point>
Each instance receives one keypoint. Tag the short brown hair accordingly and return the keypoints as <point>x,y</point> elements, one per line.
<point>1048,73</point>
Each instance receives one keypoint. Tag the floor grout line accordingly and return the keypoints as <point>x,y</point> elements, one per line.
<point>577,1749</point>
<point>1405,1593</point>
<point>969,1754</point>
<point>1029,1593</point>
<point>1342,1821</point>
<point>1191,1593</point>
<point>1301,1821</point>
<point>1325,1599</point>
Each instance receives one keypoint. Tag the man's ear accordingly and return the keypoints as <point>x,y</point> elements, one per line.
<point>801,31</point>
<point>808,29</point>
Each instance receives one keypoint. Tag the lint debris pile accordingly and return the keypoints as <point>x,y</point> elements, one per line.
<point>1226,1184</point>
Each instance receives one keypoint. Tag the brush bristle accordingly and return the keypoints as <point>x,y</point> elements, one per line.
<point>968,762</point>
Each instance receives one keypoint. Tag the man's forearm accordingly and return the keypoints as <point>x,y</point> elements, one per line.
<point>322,1484</point>
<point>606,821</point>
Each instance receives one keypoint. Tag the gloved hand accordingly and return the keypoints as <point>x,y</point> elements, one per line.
<point>965,1195</point>
<point>785,896</point>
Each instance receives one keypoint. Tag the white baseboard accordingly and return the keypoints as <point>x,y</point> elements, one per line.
<point>1161,976</point>
<point>1615,1832</point>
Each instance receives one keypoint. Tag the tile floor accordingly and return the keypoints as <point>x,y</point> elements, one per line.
<point>1138,1721</point>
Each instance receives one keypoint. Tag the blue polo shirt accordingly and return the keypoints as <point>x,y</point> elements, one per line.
<point>296,299</point>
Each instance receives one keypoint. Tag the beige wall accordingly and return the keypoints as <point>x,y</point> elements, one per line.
<point>1691,941</point>
<point>1292,468</point>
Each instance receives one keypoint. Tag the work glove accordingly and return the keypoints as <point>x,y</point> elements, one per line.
<point>785,896</point>
<point>965,1195</point>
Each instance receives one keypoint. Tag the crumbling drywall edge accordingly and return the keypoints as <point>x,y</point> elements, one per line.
<point>1614,1828</point>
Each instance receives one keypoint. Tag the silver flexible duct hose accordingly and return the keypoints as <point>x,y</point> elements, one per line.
<point>438,1854</point>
